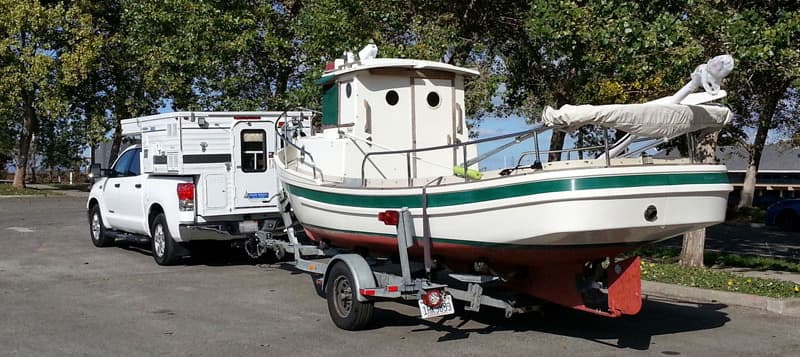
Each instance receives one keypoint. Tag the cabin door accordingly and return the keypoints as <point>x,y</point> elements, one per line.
<point>433,126</point>
<point>254,172</point>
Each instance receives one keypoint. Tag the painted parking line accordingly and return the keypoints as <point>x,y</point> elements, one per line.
<point>20,229</point>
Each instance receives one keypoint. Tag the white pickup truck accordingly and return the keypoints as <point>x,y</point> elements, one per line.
<point>195,176</point>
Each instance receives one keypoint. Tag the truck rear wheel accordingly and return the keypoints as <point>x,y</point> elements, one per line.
<point>346,311</point>
<point>96,229</point>
<point>164,248</point>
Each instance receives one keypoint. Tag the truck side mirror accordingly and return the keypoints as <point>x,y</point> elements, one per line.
<point>95,171</point>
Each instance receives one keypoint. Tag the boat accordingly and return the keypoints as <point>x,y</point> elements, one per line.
<point>393,135</point>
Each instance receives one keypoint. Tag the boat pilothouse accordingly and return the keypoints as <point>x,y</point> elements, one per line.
<point>378,105</point>
<point>394,142</point>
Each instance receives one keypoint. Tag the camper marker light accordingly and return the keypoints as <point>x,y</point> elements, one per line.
<point>246,117</point>
<point>389,218</point>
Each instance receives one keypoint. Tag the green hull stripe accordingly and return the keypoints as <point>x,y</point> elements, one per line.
<point>502,192</point>
<point>479,244</point>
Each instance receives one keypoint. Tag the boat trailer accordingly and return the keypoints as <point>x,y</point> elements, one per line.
<point>352,283</point>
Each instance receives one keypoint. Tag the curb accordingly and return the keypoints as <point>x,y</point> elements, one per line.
<point>786,307</point>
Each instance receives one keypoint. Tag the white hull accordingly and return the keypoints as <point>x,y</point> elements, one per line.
<point>511,212</point>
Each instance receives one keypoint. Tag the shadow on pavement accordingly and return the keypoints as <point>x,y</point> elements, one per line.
<point>215,254</point>
<point>629,332</point>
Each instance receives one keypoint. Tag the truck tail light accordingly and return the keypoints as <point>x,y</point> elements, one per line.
<point>186,196</point>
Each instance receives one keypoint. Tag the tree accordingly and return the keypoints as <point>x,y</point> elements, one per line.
<point>597,52</point>
<point>45,47</point>
<point>763,37</point>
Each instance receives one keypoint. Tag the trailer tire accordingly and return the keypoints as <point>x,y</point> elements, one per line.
<point>346,311</point>
<point>100,238</point>
<point>164,248</point>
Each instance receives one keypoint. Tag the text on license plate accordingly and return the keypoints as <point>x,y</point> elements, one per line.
<point>446,308</point>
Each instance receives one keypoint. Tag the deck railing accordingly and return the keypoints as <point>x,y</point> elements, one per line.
<point>410,154</point>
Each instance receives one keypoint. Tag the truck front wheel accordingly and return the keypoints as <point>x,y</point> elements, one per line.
<point>164,248</point>
<point>96,229</point>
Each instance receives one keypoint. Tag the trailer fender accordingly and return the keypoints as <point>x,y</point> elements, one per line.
<point>360,269</point>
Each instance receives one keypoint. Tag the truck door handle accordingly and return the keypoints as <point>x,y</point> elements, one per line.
<point>116,185</point>
<point>138,185</point>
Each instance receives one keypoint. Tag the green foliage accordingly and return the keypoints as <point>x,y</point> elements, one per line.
<point>763,38</point>
<point>47,49</point>
<point>84,65</point>
<point>599,52</point>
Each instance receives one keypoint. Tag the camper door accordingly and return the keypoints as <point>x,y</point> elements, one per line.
<point>254,175</point>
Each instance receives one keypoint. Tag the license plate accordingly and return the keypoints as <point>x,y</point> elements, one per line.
<point>446,308</point>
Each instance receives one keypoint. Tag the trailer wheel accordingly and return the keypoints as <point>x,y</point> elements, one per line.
<point>346,311</point>
<point>96,229</point>
<point>164,248</point>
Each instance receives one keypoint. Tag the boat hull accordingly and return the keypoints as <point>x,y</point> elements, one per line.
<point>566,216</point>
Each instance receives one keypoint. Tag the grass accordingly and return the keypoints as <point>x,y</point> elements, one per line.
<point>9,190</point>
<point>722,260</point>
<point>718,280</point>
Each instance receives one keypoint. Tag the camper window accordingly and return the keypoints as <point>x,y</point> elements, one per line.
<point>253,155</point>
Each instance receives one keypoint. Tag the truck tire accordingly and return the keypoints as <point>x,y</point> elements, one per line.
<point>100,238</point>
<point>164,248</point>
<point>346,311</point>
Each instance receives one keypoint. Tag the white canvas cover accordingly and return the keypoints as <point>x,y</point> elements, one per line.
<point>652,120</point>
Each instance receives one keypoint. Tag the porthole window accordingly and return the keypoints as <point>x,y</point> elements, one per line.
<point>433,99</point>
<point>391,97</point>
<point>348,90</point>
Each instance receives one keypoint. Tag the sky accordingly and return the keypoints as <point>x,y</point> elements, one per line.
<point>490,127</point>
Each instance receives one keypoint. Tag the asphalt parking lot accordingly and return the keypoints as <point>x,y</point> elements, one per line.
<point>59,295</point>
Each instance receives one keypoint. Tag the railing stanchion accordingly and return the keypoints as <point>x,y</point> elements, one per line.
<point>605,144</point>
<point>408,169</point>
<point>464,149</point>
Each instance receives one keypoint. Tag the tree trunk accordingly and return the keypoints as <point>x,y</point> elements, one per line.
<point>556,143</point>
<point>764,124</point>
<point>693,246</point>
<point>92,149</point>
<point>115,144</point>
<point>694,241</point>
<point>749,185</point>
<point>25,138</point>
<point>32,160</point>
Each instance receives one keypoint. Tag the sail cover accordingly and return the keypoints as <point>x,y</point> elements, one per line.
<point>645,120</point>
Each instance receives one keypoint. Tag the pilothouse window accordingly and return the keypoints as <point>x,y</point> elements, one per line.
<point>254,150</point>
<point>433,99</point>
<point>392,98</point>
